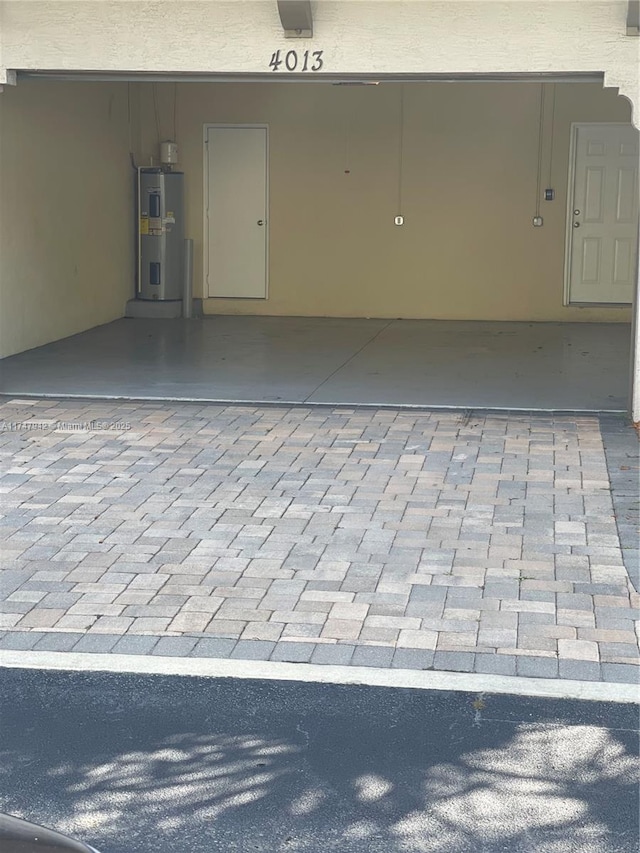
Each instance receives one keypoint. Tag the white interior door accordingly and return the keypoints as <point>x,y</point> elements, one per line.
<point>236,211</point>
<point>603,214</point>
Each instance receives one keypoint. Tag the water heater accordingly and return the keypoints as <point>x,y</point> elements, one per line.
<point>160,234</point>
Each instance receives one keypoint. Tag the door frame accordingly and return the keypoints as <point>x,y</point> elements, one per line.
<point>205,201</point>
<point>568,243</point>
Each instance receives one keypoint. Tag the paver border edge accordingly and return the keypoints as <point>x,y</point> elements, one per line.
<point>327,674</point>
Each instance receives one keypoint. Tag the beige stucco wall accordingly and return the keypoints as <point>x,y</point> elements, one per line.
<point>467,250</point>
<point>379,36</point>
<point>66,190</point>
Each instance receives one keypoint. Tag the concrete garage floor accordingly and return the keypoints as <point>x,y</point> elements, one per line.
<point>431,363</point>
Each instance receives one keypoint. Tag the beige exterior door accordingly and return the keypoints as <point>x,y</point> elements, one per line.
<point>235,197</point>
<point>603,214</point>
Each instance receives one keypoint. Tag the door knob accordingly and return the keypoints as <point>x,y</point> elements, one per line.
<point>576,224</point>
<point>260,222</point>
<point>576,213</point>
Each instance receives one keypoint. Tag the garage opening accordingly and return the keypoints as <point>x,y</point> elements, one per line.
<point>463,244</point>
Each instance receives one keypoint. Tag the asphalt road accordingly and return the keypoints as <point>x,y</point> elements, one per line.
<point>136,764</point>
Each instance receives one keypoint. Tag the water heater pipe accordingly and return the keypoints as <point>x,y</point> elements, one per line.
<point>187,293</point>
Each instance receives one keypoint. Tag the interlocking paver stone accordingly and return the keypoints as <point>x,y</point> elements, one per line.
<point>455,661</point>
<point>213,648</point>
<point>621,672</point>
<point>293,652</point>
<point>380,656</point>
<point>493,664</point>
<point>336,654</point>
<point>40,618</point>
<point>578,650</point>
<point>174,646</point>
<point>58,642</point>
<point>131,645</point>
<point>20,640</point>
<point>96,643</point>
<point>254,650</point>
<point>331,530</point>
<point>412,659</point>
<point>580,670</point>
<point>625,650</point>
<point>537,667</point>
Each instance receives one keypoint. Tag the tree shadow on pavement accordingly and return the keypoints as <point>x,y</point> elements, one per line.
<point>135,764</point>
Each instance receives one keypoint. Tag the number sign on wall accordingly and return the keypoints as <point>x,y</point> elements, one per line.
<point>293,60</point>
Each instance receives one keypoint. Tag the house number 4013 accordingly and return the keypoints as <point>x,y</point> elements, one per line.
<point>292,61</point>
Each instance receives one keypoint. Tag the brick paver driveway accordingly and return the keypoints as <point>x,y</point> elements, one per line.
<point>398,538</point>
